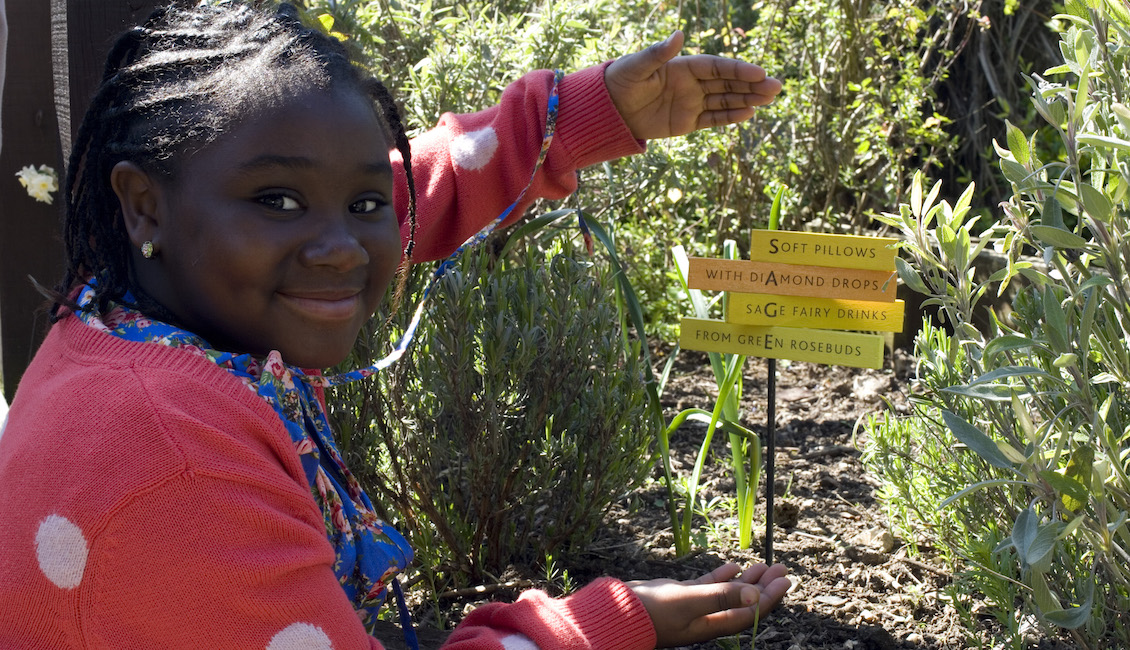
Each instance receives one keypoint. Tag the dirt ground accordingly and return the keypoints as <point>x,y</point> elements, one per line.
<point>855,586</point>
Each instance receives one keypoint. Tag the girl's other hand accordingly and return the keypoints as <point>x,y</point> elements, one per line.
<point>661,95</point>
<point>720,603</point>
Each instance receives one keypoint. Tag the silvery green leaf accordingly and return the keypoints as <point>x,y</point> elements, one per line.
<point>1009,371</point>
<point>1042,545</point>
<point>990,392</point>
<point>1057,237</point>
<point>1073,617</point>
<point>973,438</point>
<point>1096,202</point>
<point>1055,321</point>
<point>1024,532</point>
<point>909,276</point>
<point>1007,343</point>
<point>1103,142</point>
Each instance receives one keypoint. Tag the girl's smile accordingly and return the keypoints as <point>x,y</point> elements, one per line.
<point>280,235</point>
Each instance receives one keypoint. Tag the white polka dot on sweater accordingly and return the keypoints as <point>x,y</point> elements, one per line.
<point>475,149</point>
<point>61,551</point>
<point>300,636</point>
<point>518,642</point>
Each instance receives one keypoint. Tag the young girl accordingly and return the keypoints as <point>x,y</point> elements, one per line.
<point>233,217</point>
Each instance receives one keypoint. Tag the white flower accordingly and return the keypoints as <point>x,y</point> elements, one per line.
<point>39,183</point>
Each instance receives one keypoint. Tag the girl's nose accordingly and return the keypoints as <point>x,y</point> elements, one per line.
<point>334,245</point>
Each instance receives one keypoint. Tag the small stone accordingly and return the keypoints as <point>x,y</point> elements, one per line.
<point>877,538</point>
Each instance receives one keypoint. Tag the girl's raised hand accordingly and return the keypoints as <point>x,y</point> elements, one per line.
<point>661,95</point>
<point>722,602</point>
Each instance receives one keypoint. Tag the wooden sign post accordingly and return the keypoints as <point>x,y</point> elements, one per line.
<point>804,297</point>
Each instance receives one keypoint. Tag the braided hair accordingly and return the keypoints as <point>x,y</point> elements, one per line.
<point>171,86</point>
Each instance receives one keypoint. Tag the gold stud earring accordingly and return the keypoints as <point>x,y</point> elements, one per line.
<point>147,250</point>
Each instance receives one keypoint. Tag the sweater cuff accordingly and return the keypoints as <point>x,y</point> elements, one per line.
<point>590,127</point>
<point>612,616</point>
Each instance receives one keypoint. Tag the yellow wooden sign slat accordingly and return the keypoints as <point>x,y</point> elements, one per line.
<point>815,346</point>
<point>820,313</point>
<point>744,276</point>
<point>817,249</point>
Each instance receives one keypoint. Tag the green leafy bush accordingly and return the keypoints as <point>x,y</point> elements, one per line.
<point>1039,403</point>
<point>514,422</point>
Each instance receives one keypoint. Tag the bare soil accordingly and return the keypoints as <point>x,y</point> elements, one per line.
<point>856,587</point>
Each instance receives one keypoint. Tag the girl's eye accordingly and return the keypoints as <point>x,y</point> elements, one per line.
<point>366,206</point>
<point>280,202</point>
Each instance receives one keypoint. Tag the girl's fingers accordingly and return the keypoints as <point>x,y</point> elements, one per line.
<point>724,573</point>
<point>702,600</point>
<point>760,573</point>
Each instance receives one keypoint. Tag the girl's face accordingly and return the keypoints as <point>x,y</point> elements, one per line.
<point>281,234</point>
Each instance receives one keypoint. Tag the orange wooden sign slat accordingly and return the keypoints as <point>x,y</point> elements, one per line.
<point>743,276</point>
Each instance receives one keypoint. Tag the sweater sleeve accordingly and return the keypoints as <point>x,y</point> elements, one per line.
<point>471,167</point>
<point>605,615</point>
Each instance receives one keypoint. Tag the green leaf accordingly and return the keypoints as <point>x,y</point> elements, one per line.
<point>1055,321</point>
<point>916,195</point>
<point>1096,202</point>
<point>1082,48</point>
<point>1024,420</point>
<point>978,486</point>
<point>775,211</point>
<point>1071,492</point>
<point>1057,237</point>
<point>1095,281</point>
<point>1103,141</point>
<point>1042,546</point>
<point>1007,343</point>
<point>909,276</point>
<point>1042,594</point>
<point>1009,371</point>
<point>973,438</point>
<point>1082,94</point>
<point>1052,213</point>
<point>1081,469</point>
<point>1014,171</point>
<point>989,392</point>
<point>1017,143</point>
<point>1024,532</point>
<point>1073,617</point>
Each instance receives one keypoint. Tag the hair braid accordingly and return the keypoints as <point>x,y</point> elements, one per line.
<point>392,115</point>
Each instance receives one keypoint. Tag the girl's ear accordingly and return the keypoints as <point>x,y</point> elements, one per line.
<point>139,195</point>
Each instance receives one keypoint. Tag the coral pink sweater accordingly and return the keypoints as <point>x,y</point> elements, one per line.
<point>149,500</point>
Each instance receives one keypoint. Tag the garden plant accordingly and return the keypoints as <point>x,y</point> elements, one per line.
<point>1016,455</point>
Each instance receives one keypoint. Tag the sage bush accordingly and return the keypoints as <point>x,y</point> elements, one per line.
<point>516,420</point>
<point>1022,432</point>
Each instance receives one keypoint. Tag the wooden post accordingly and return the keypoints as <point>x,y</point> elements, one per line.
<point>29,241</point>
<point>55,54</point>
